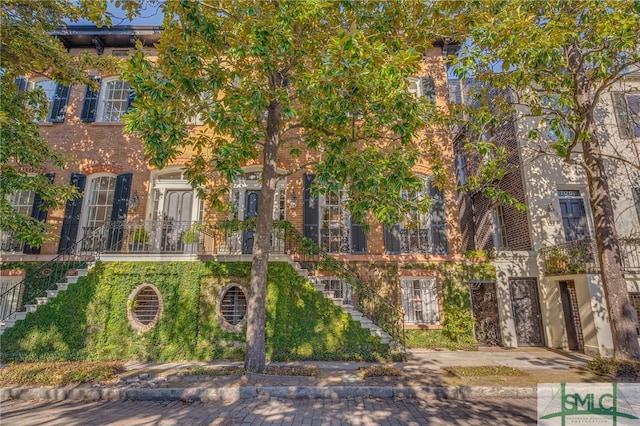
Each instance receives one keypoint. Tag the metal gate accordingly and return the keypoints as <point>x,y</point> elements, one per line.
<point>526,312</point>
<point>485,310</point>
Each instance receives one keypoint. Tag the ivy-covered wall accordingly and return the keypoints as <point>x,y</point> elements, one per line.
<point>89,320</point>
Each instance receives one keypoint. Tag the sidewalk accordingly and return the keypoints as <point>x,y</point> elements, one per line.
<point>424,376</point>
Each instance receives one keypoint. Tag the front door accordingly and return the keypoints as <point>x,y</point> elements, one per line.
<point>485,310</point>
<point>526,312</point>
<point>574,217</point>
<point>573,326</point>
<point>250,211</point>
<point>176,214</point>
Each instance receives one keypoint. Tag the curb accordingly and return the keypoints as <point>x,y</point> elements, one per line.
<point>248,392</point>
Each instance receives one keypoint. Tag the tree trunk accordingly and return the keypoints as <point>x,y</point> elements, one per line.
<point>621,313</point>
<point>255,359</point>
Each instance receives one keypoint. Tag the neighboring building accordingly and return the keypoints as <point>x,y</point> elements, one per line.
<point>131,211</point>
<point>548,290</point>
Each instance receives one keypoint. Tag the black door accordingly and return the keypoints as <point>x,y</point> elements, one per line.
<point>250,211</point>
<point>574,218</point>
<point>571,315</point>
<point>526,312</point>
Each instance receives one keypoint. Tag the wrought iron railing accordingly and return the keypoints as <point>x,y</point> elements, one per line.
<point>630,251</point>
<point>147,237</point>
<point>46,277</point>
<point>234,237</point>
<point>364,298</point>
<point>572,257</point>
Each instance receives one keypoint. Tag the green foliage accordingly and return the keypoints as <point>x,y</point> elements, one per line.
<point>140,235</point>
<point>89,320</point>
<point>28,48</point>
<point>435,339</point>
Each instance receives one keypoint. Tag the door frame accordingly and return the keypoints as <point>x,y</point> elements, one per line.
<point>575,337</point>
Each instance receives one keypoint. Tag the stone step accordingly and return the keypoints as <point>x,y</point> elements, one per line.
<point>8,323</point>
<point>52,294</point>
<point>18,316</point>
<point>72,279</point>
<point>31,308</point>
<point>83,272</point>
<point>62,286</point>
<point>42,300</point>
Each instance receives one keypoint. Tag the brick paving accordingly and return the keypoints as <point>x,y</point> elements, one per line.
<point>271,411</point>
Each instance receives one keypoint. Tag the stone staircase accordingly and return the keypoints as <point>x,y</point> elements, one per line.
<point>19,316</point>
<point>349,309</point>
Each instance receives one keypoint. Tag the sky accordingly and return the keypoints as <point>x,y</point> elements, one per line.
<point>149,15</point>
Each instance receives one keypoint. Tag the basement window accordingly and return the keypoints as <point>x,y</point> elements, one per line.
<point>233,305</point>
<point>144,307</point>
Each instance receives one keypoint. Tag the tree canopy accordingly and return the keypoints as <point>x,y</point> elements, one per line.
<point>28,48</point>
<point>324,83</point>
<point>555,60</point>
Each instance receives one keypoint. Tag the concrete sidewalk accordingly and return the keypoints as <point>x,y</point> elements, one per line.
<point>424,376</point>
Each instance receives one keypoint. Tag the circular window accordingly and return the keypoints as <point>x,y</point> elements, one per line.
<point>145,307</point>
<point>233,306</point>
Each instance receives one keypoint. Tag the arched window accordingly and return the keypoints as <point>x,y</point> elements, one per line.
<point>233,305</point>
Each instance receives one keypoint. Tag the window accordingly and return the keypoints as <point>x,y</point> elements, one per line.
<point>144,307</point>
<point>334,237</point>
<point>627,110</point>
<point>116,100</point>
<point>461,169</point>
<point>421,232</point>
<point>100,201</point>
<point>56,95</point>
<point>499,228</point>
<point>636,199</point>
<point>22,203</point>
<point>335,288</point>
<point>233,306</point>
<point>423,86</point>
<point>420,300</point>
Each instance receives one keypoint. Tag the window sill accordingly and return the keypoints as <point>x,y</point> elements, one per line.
<point>108,123</point>
<point>46,124</point>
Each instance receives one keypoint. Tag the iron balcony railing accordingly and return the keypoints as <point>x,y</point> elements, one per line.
<point>580,257</point>
<point>630,251</point>
<point>572,257</point>
<point>46,277</point>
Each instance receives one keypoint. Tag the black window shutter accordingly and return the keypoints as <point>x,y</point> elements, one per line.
<point>392,238</point>
<point>428,88</point>
<point>71,221</point>
<point>119,211</point>
<point>90,104</point>
<point>440,241</point>
<point>59,105</point>
<point>40,214</point>
<point>310,215</point>
<point>21,83</point>
<point>130,99</point>
<point>358,238</point>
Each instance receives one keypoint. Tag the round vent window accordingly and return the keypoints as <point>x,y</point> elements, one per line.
<point>233,306</point>
<point>145,307</point>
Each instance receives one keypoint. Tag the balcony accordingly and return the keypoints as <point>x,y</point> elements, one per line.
<point>572,257</point>
<point>580,257</point>
<point>177,237</point>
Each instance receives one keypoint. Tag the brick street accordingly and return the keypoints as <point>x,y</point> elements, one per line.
<point>271,411</point>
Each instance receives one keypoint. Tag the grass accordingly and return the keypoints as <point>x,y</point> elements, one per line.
<point>435,339</point>
<point>379,371</point>
<point>305,370</point>
<point>485,371</point>
<point>211,371</point>
<point>59,373</point>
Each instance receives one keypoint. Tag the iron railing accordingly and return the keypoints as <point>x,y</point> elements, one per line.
<point>630,251</point>
<point>9,244</point>
<point>46,277</point>
<point>572,257</point>
<point>146,237</point>
<point>364,298</point>
<point>580,257</point>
